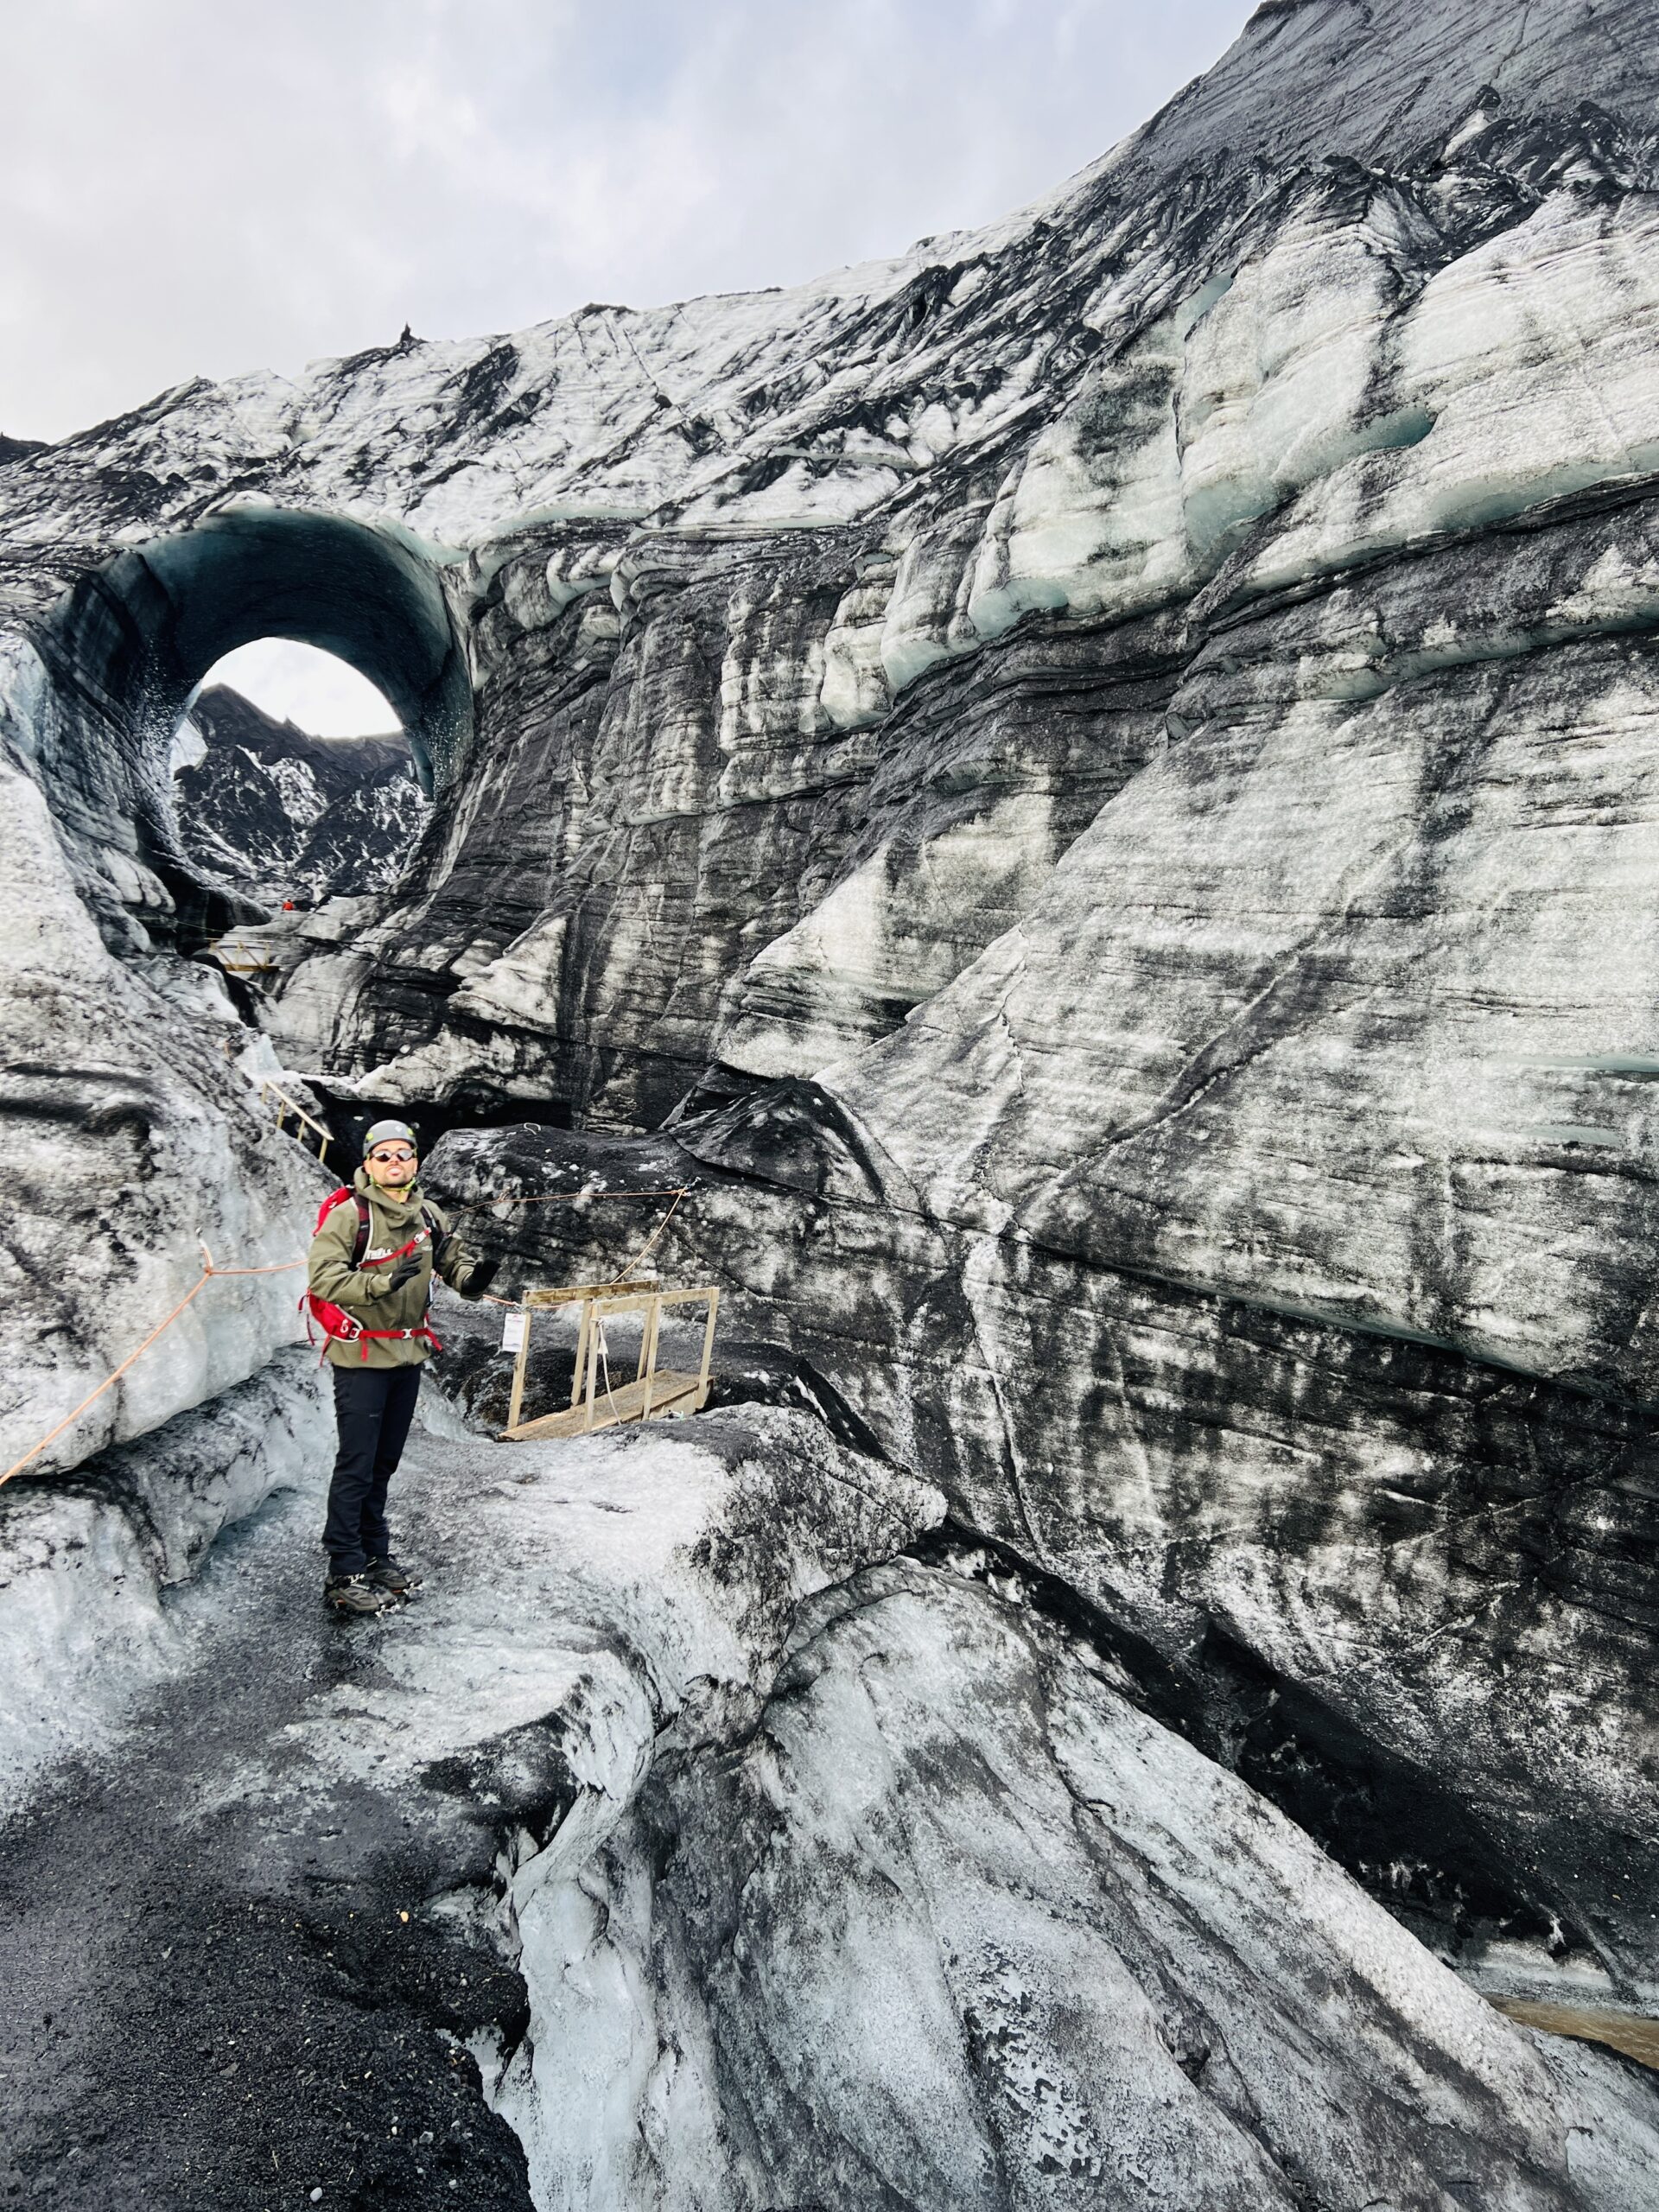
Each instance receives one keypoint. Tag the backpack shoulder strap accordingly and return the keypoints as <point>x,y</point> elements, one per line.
<point>335,1198</point>
<point>360,1241</point>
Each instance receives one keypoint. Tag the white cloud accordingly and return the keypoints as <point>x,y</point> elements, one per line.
<point>298,683</point>
<point>191,189</point>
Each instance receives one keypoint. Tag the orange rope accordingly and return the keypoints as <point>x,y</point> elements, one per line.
<point>571,1198</point>
<point>678,1194</point>
<point>653,1236</point>
<point>282,1266</point>
<point>208,1272</point>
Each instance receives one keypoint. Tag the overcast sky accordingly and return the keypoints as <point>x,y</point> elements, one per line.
<point>201,187</point>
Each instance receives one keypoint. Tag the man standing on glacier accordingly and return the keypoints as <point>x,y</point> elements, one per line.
<point>369,1281</point>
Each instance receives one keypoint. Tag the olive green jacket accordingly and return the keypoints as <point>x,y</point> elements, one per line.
<point>366,1292</point>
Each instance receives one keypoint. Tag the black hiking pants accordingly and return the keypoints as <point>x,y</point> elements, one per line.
<point>374,1407</point>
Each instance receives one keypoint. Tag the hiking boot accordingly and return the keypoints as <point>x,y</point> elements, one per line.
<point>387,1574</point>
<point>354,1593</point>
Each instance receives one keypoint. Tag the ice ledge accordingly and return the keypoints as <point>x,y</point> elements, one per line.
<point>85,1558</point>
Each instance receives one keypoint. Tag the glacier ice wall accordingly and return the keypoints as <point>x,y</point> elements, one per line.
<point>1092,784</point>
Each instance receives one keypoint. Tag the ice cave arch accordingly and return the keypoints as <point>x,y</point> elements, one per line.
<point>126,647</point>
<point>303,687</point>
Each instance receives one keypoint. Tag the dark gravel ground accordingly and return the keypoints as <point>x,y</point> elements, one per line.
<point>227,1983</point>
<point>191,2018</point>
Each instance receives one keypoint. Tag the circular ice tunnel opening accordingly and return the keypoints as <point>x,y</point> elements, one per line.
<point>314,690</point>
<point>268,576</point>
<point>133,639</point>
<point>293,781</point>
<point>137,636</point>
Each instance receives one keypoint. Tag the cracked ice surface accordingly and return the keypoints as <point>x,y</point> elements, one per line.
<point>586,1605</point>
<point>816,1870</point>
<point>85,1629</point>
<point>955,1925</point>
<point>137,1079</point>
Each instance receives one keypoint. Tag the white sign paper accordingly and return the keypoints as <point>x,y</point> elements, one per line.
<point>512,1333</point>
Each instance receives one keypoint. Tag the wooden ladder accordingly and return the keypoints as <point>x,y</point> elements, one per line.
<point>312,1130</point>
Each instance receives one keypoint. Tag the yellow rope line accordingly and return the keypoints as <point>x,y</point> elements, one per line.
<point>570,1198</point>
<point>208,1273</point>
<point>605,1361</point>
<point>283,1267</point>
<point>678,1194</point>
<point>655,1233</point>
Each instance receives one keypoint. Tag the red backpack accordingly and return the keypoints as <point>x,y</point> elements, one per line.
<point>338,1325</point>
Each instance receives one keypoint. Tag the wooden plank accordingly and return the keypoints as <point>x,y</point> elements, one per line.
<point>519,1364</point>
<point>650,1328</point>
<point>308,1124</point>
<point>650,1393</point>
<point>580,1368</point>
<point>571,1292</point>
<point>708,1350</point>
<point>649,1335</point>
<point>669,1390</point>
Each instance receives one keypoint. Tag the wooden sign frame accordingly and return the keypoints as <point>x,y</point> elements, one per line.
<point>654,1391</point>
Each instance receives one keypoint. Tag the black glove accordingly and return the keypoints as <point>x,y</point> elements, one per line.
<point>484,1274</point>
<point>406,1271</point>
